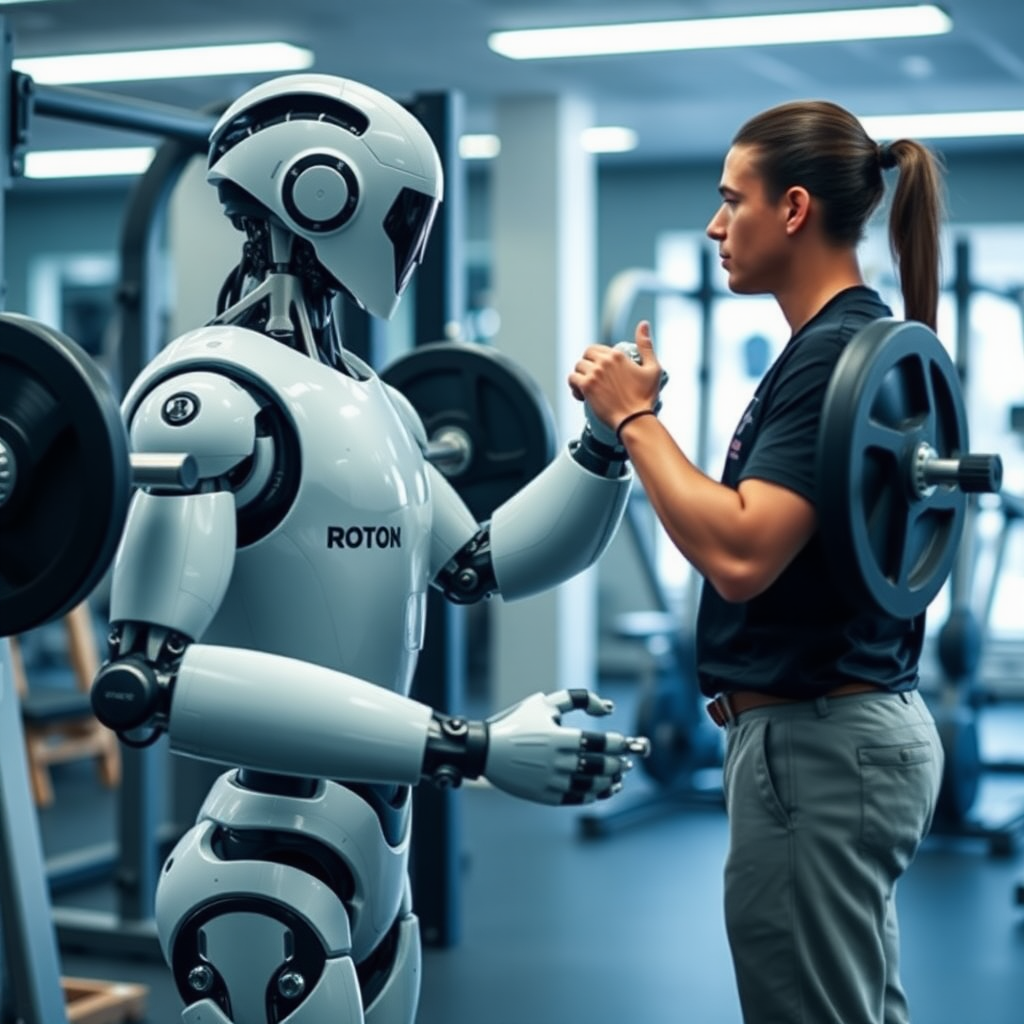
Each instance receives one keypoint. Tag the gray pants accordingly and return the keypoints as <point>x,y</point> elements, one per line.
<point>828,801</point>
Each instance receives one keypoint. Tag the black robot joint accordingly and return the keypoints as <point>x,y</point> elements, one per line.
<point>364,536</point>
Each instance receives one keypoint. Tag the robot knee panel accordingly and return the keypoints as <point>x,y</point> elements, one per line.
<point>251,957</point>
<point>195,879</point>
<point>248,959</point>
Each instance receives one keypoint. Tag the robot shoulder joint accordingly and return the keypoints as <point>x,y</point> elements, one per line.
<point>201,413</point>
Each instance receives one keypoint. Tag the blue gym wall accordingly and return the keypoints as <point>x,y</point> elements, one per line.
<point>635,206</point>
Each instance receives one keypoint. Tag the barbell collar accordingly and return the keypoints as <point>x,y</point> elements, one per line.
<point>981,474</point>
<point>451,450</point>
<point>8,473</point>
<point>972,474</point>
<point>167,471</point>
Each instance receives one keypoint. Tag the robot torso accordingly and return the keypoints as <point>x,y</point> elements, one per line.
<point>334,526</point>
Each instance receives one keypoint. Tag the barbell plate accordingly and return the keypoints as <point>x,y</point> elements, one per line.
<point>894,387</point>
<point>494,402</point>
<point>61,525</point>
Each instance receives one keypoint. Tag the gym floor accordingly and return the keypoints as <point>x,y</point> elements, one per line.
<point>559,928</point>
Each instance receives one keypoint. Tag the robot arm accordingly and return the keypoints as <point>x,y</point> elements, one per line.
<point>278,714</point>
<point>286,716</point>
<point>555,527</point>
<point>184,541</point>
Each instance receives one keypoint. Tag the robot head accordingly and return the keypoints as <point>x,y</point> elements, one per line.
<point>341,165</point>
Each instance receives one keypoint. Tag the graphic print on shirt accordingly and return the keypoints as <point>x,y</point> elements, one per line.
<point>746,420</point>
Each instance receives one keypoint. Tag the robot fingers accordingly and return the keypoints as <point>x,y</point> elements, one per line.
<point>578,699</point>
<point>587,790</point>
<point>615,743</point>
<point>591,776</point>
<point>590,766</point>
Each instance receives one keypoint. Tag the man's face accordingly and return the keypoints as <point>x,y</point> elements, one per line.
<point>750,230</point>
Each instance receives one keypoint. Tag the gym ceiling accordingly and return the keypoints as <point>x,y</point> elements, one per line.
<point>682,105</point>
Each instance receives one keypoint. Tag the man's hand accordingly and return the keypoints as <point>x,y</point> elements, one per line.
<point>530,754</point>
<point>614,382</point>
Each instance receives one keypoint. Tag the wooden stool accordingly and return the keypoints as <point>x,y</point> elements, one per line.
<point>59,724</point>
<point>103,1002</point>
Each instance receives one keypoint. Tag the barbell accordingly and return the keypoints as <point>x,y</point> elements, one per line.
<point>66,473</point>
<point>892,459</point>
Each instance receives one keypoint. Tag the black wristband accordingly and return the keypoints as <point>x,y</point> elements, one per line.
<point>456,750</point>
<point>629,419</point>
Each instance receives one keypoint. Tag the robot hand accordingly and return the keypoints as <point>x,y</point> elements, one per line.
<point>530,754</point>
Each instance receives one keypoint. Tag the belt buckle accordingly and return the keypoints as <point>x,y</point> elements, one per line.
<point>721,711</point>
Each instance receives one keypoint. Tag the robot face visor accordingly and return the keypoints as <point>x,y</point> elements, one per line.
<point>408,225</point>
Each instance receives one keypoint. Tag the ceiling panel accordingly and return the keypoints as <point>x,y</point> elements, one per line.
<point>684,106</point>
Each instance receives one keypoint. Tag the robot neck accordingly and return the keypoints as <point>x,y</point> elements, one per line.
<point>279,289</point>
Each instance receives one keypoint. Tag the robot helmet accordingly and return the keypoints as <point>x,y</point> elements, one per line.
<point>341,165</point>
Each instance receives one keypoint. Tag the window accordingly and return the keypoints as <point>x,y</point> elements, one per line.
<point>746,333</point>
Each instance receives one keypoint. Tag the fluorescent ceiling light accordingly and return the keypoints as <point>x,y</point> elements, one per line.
<point>609,139</point>
<point>714,33</point>
<point>965,125</point>
<point>479,147</point>
<point>184,62</point>
<point>604,139</point>
<point>88,163</point>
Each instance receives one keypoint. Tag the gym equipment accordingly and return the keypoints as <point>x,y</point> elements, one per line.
<point>64,457</point>
<point>68,473</point>
<point>686,749</point>
<point>893,467</point>
<point>489,427</point>
<point>29,969</point>
<point>59,724</point>
<point>963,638</point>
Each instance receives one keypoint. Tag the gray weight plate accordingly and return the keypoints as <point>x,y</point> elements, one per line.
<point>893,388</point>
<point>489,399</point>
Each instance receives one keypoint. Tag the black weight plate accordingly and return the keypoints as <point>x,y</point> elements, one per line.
<point>60,525</point>
<point>494,402</point>
<point>893,388</point>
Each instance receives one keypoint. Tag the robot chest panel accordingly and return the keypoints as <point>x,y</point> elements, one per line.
<point>363,493</point>
<point>343,578</point>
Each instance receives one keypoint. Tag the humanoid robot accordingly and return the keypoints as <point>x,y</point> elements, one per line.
<point>244,633</point>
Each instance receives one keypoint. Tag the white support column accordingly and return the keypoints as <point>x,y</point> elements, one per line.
<point>203,245</point>
<point>544,271</point>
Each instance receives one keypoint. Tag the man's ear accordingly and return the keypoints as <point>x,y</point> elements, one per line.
<point>796,208</point>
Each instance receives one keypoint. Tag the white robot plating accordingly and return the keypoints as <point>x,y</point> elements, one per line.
<point>269,619</point>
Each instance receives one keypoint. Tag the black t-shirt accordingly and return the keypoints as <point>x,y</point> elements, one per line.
<point>800,637</point>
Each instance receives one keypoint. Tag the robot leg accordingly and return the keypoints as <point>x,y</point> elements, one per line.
<point>277,909</point>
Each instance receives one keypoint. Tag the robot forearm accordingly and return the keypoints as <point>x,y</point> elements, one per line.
<point>283,715</point>
<point>280,715</point>
<point>556,526</point>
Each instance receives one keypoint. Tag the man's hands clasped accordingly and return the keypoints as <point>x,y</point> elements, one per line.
<point>614,382</point>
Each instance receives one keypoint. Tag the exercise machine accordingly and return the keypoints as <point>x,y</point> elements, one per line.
<point>963,638</point>
<point>686,748</point>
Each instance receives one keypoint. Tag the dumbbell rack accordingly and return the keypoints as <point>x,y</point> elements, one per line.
<point>31,988</point>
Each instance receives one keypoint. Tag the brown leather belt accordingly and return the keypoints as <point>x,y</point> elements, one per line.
<point>727,707</point>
